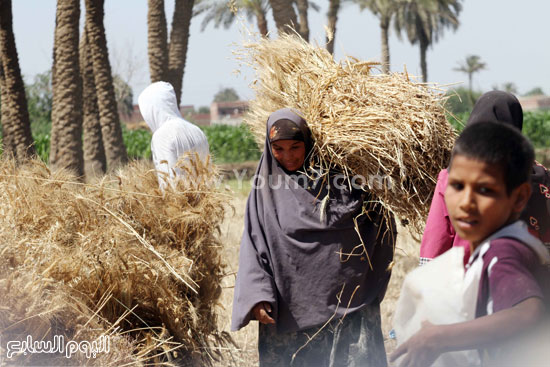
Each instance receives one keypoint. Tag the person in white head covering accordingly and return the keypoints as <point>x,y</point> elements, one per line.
<point>172,135</point>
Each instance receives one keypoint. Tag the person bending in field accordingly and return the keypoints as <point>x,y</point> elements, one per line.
<point>173,136</point>
<point>488,188</point>
<point>439,235</point>
<point>312,271</point>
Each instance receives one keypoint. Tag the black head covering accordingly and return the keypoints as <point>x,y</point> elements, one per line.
<point>290,258</point>
<point>537,211</point>
<point>497,106</point>
<point>285,130</point>
<point>286,124</point>
<point>503,107</point>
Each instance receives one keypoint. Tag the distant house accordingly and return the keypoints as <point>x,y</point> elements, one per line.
<point>534,103</point>
<point>187,109</point>
<point>134,118</point>
<point>228,113</point>
<point>201,119</point>
<point>188,112</point>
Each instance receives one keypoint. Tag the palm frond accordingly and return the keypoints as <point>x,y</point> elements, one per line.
<point>220,13</point>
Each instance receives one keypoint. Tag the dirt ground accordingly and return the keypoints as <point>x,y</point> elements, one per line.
<point>245,353</point>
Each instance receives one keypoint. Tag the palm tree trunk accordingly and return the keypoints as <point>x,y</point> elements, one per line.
<point>179,38</point>
<point>16,125</point>
<point>7,141</point>
<point>470,86</point>
<point>66,134</point>
<point>106,101</point>
<point>423,65</point>
<point>332,17</point>
<point>384,27</point>
<point>302,13</point>
<point>284,15</point>
<point>95,162</point>
<point>261,20</point>
<point>157,40</point>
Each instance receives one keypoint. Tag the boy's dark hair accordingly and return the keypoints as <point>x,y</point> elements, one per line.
<point>498,144</point>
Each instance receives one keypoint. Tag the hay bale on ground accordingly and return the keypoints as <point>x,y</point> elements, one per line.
<point>130,255</point>
<point>363,124</point>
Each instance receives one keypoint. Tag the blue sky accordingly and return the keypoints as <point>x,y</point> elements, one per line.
<point>510,36</point>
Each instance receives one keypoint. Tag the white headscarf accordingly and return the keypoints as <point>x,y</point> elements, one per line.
<point>172,135</point>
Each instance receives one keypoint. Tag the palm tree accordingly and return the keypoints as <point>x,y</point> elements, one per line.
<point>221,14</point>
<point>16,128</point>
<point>424,21</point>
<point>284,15</point>
<point>303,24</point>
<point>472,64</point>
<point>384,10</point>
<point>177,49</point>
<point>157,47</point>
<point>95,162</point>
<point>174,51</point>
<point>224,13</point>
<point>510,87</point>
<point>108,112</point>
<point>66,133</point>
<point>332,18</point>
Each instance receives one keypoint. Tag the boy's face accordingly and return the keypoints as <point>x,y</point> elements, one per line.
<point>477,200</point>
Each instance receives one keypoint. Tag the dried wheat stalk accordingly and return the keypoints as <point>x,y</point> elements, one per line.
<point>119,252</point>
<point>363,123</point>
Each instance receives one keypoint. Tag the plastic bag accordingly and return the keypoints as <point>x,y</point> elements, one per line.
<point>441,293</point>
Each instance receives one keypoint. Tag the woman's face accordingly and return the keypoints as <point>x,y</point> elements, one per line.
<point>289,153</point>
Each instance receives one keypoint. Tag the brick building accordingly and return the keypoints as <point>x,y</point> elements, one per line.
<point>534,103</point>
<point>228,113</point>
<point>187,112</point>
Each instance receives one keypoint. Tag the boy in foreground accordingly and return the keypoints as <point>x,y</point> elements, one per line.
<point>487,190</point>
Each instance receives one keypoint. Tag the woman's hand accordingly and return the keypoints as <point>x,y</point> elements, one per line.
<point>421,349</point>
<point>261,313</point>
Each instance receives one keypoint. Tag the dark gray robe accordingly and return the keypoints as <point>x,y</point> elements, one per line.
<point>291,258</point>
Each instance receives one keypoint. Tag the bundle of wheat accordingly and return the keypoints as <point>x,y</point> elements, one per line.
<point>382,126</point>
<point>40,320</point>
<point>142,258</point>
